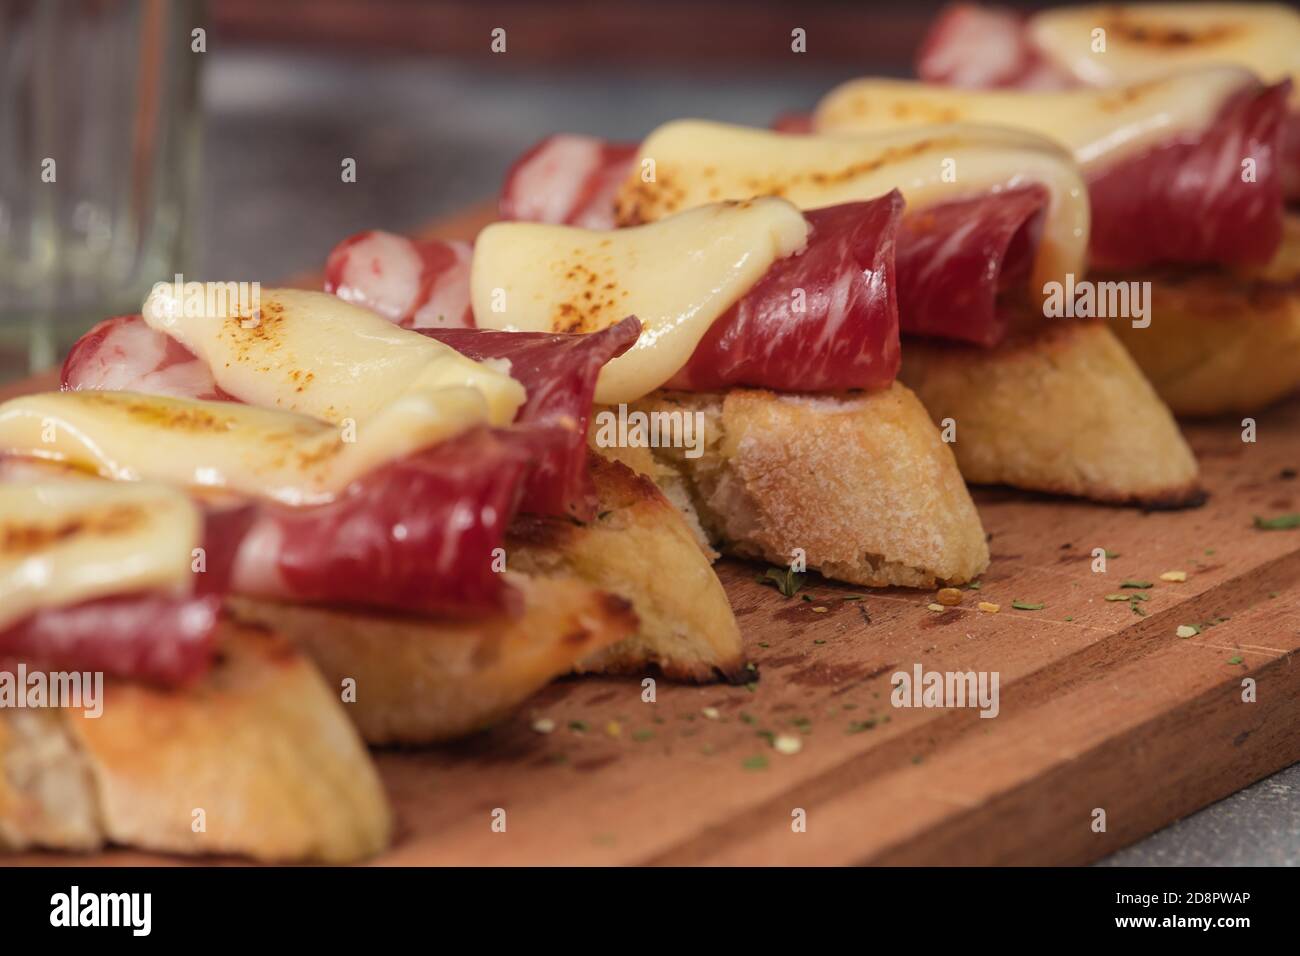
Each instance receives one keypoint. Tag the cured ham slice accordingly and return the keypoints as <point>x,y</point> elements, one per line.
<point>122,354</point>
<point>419,535</point>
<point>974,46</point>
<point>415,283</point>
<point>955,260</point>
<point>823,320</point>
<point>559,373</point>
<point>160,638</point>
<point>149,637</point>
<point>567,179</point>
<point>1189,201</point>
<point>977,46</point>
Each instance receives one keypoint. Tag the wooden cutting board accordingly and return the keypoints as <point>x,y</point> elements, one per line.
<point>1101,708</point>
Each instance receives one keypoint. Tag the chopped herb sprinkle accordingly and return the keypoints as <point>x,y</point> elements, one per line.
<point>1279,523</point>
<point>785,580</point>
<point>1027,606</point>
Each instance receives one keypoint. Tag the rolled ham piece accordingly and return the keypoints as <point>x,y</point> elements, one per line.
<point>419,534</point>
<point>988,47</point>
<point>953,260</point>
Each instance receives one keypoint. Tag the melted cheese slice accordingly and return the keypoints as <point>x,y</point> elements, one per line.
<point>1097,125</point>
<point>677,277</point>
<point>1148,40</point>
<point>697,162</point>
<point>290,458</point>
<point>313,353</point>
<point>64,542</point>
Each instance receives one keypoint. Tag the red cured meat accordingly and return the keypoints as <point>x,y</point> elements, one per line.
<point>155,637</point>
<point>148,637</point>
<point>951,265</point>
<point>568,180</point>
<point>981,47</point>
<point>988,47</point>
<point>559,373</point>
<point>123,354</point>
<point>954,260</point>
<point>845,337</point>
<point>415,283</point>
<point>416,535</point>
<point>1186,201</point>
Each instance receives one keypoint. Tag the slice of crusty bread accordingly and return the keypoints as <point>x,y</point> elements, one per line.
<point>260,745</point>
<point>1062,409</point>
<point>419,681</point>
<point>861,483</point>
<point>641,548</point>
<point>1219,343</point>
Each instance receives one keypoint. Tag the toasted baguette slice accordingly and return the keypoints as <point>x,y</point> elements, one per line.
<point>641,548</point>
<point>419,681</point>
<point>261,746</point>
<point>861,483</point>
<point>1063,410</point>
<point>1220,342</point>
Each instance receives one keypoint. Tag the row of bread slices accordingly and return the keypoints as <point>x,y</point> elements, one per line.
<point>400,488</point>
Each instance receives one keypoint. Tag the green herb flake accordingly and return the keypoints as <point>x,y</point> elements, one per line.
<point>756,762</point>
<point>1119,597</point>
<point>858,726</point>
<point>579,726</point>
<point>1235,660</point>
<point>1140,585</point>
<point>785,580</point>
<point>1027,606</point>
<point>641,736</point>
<point>1109,553</point>
<point>1279,523</point>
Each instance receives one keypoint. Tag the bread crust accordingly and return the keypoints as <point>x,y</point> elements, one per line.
<point>1063,410</point>
<point>1223,341</point>
<point>1217,345</point>
<point>419,681</point>
<point>860,482</point>
<point>641,548</point>
<point>260,745</point>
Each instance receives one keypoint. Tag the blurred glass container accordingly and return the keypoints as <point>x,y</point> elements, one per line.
<point>99,149</point>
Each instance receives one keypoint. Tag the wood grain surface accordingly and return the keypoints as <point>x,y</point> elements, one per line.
<point>1100,707</point>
